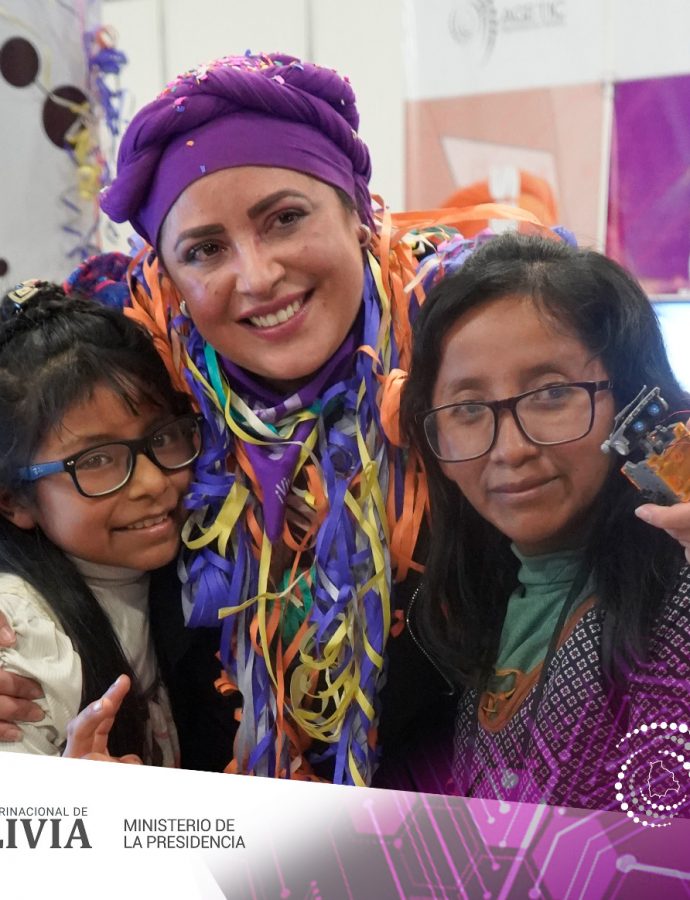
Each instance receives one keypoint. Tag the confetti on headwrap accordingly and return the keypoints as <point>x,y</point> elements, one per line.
<point>270,110</point>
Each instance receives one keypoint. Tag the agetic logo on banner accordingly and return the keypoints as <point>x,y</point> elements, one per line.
<point>476,24</point>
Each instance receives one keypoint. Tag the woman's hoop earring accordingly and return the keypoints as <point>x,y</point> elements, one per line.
<point>183,308</point>
<point>364,235</point>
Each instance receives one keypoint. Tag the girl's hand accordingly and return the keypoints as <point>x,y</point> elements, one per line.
<point>673,519</point>
<point>87,733</point>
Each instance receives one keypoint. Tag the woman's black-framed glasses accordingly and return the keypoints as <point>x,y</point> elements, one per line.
<point>106,468</point>
<point>553,414</point>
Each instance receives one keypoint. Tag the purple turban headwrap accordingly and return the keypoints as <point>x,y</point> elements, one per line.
<point>238,111</point>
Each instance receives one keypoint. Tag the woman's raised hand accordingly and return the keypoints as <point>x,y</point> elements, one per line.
<point>87,733</point>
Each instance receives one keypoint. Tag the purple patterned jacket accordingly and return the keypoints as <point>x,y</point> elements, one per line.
<point>580,752</point>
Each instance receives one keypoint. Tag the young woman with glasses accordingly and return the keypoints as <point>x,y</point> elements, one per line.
<point>562,619</point>
<point>95,456</point>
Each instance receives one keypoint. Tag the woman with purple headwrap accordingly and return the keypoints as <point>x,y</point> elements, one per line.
<point>282,301</point>
<point>249,179</point>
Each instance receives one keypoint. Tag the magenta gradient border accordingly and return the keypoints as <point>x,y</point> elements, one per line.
<point>388,844</point>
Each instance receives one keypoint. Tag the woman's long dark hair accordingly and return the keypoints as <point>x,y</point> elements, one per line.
<point>54,351</point>
<point>470,569</point>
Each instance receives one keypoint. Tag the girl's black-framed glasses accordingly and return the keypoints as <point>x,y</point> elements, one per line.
<point>106,468</point>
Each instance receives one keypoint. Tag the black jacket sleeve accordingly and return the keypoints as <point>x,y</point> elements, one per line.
<point>188,664</point>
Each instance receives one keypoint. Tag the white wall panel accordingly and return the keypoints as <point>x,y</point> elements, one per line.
<point>137,24</point>
<point>197,32</point>
<point>363,39</point>
<point>650,39</point>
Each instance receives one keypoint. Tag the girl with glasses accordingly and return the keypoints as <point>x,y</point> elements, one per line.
<point>561,618</point>
<point>95,456</point>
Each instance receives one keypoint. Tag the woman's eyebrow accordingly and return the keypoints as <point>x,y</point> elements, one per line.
<point>267,202</point>
<point>463,383</point>
<point>469,382</point>
<point>202,231</point>
<point>199,231</point>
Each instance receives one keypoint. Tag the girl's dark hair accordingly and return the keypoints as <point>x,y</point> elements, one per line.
<point>54,350</point>
<point>470,569</point>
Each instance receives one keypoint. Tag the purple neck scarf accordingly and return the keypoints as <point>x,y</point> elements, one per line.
<point>274,464</point>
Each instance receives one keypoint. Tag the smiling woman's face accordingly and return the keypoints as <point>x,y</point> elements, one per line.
<point>538,496</point>
<point>269,263</point>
